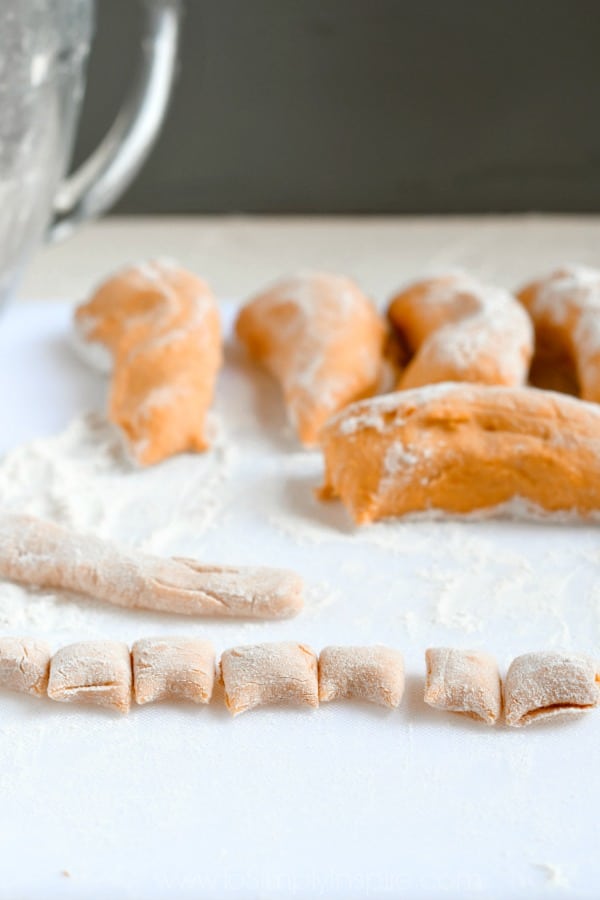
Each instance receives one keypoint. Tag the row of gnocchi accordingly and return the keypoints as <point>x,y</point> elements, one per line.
<point>106,673</point>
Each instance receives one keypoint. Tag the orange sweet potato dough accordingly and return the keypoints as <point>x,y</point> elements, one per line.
<point>464,448</point>
<point>457,329</point>
<point>161,326</point>
<point>321,338</point>
<point>565,308</point>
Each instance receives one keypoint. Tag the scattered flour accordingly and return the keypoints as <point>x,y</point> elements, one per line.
<point>555,874</point>
<point>82,478</point>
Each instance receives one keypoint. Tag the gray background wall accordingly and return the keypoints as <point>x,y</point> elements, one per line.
<point>366,106</point>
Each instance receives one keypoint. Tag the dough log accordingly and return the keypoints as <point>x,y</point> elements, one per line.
<point>160,325</point>
<point>459,449</point>
<point>45,555</point>
<point>458,329</point>
<point>321,338</point>
<point>565,308</point>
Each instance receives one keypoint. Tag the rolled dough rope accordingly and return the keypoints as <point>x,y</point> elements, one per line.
<point>565,308</point>
<point>547,684</point>
<point>24,665</point>
<point>160,326</point>
<point>261,674</point>
<point>461,330</point>
<point>375,674</point>
<point>96,672</point>
<point>464,681</point>
<point>321,338</point>
<point>173,668</point>
<point>45,555</point>
<point>459,448</point>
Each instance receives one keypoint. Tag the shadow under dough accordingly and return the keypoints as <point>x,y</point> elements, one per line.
<point>298,500</point>
<point>266,399</point>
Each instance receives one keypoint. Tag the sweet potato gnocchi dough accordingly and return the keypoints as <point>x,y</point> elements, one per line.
<point>565,309</point>
<point>321,338</point>
<point>464,448</point>
<point>458,329</point>
<point>157,327</point>
<point>461,435</point>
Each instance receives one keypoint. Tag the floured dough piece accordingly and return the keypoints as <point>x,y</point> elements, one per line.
<point>375,674</point>
<point>565,308</point>
<point>464,681</point>
<point>546,684</point>
<point>321,338</point>
<point>46,555</point>
<point>24,665</point>
<point>96,672</point>
<point>461,448</point>
<point>160,325</point>
<point>173,668</point>
<point>458,329</point>
<point>261,674</point>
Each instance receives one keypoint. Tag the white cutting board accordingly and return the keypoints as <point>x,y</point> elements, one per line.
<point>345,801</point>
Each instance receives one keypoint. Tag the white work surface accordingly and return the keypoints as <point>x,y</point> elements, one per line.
<point>344,801</point>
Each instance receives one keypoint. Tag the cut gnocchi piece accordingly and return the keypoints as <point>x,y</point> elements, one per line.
<point>375,674</point>
<point>96,672</point>
<point>24,665</point>
<point>173,668</point>
<point>463,681</point>
<point>261,674</point>
<point>547,684</point>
